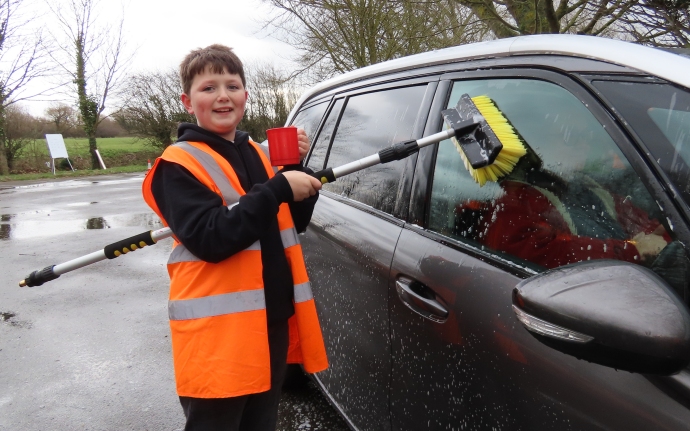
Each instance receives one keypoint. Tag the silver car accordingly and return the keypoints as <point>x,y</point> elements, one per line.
<point>552,299</point>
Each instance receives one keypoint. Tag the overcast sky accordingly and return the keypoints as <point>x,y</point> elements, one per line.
<point>164,31</point>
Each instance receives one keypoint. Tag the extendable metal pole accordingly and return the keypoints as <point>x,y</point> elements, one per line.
<point>388,155</point>
<point>395,152</point>
<point>110,251</point>
<point>458,127</point>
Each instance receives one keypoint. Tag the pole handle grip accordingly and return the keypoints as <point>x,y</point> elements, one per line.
<point>126,245</point>
<point>325,176</point>
<point>39,277</point>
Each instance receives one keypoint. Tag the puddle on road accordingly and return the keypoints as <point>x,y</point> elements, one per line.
<point>8,317</point>
<point>4,226</point>
<point>305,408</point>
<point>13,227</point>
<point>80,204</point>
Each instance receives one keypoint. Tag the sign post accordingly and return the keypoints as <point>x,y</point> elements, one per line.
<point>57,149</point>
<point>100,159</point>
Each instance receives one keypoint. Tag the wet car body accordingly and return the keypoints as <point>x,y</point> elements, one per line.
<point>416,308</point>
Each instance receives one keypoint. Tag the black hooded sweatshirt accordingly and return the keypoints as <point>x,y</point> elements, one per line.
<point>212,232</point>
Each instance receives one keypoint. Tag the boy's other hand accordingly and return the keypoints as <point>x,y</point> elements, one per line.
<point>648,245</point>
<point>303,185</point>
<point>303,142</point>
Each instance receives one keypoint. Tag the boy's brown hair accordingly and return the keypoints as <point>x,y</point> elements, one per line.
<point>219,58</point>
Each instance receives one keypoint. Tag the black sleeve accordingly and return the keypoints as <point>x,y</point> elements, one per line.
<point>303,210</point>
<point>201,222</point>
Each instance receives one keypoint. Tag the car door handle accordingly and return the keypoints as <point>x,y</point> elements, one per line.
<point>420,299</point>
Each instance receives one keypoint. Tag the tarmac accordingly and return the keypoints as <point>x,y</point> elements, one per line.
<point>91,349</point>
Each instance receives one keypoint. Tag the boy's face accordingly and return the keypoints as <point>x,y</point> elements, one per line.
<point>217,100</point>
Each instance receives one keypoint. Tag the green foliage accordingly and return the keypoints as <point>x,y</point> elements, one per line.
<point>70,174</point>
<point>19,130</point>
<point>116,152</point>
<point>88,108</point>
<point>80,146</point>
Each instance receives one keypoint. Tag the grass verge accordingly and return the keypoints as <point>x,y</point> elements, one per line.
<point>78,173</point>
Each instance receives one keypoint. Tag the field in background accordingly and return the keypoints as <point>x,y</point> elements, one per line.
<point>80,146</point>
<point>123,152</point>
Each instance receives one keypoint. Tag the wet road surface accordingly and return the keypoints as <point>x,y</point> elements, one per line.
<point>91,350</point>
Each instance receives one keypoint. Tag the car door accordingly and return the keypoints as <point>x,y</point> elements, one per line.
<point>460,358</point>
<point>349,244</point>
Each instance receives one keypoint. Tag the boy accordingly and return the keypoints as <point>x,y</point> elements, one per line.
<point>240,303</point>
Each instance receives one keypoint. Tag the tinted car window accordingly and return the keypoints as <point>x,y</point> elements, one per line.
<point>572,197</point>
<point>370,123</point>
<point>318,154</point>
<point>660,115</point>
<point>309,119</point>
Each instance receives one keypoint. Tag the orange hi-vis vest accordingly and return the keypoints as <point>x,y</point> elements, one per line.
<point>217,310</point>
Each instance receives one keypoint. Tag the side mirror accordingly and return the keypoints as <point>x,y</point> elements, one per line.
<point>607,312</point>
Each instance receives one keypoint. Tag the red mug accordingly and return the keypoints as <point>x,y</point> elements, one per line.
<point>283,146</point>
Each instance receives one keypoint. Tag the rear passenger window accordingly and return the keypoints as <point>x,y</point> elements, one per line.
<point>309,119</point>
<point>372,122</point>
<point>572,197</point>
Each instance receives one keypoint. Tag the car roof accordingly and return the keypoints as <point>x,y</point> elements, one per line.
<point>661,63</point>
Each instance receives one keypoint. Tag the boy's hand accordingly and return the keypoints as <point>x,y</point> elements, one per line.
<point>303,185</point>
<point>303,142</point>
<point>648,245</point>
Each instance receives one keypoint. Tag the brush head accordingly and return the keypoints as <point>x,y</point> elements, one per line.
<point>492,150</point>
<point>480,144</point>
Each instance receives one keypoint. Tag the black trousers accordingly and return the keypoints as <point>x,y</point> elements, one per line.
<point>255,412</point>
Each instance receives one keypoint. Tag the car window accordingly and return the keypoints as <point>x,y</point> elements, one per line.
<point>309,119</point>
<point>660,115</point>
<point>572,197</point>
<point>370,123</point>
<point>318,154</point>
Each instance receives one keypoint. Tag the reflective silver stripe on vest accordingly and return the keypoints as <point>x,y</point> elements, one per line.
<point>229,193</point>
<point>303,292</point>
<point>289,237</point>
<point>264,148</point>
<point>181,254</point>
<point>216,305</point>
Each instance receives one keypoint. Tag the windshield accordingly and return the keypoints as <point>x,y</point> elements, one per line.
<point>660,115</point>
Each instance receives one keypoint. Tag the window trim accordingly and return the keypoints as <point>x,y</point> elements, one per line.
<point>323,117</point>
<point>329,108</point>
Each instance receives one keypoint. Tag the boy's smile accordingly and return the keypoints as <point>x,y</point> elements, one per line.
<point>217,100</point>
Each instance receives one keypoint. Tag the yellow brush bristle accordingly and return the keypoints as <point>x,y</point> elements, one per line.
<point>512,147</point>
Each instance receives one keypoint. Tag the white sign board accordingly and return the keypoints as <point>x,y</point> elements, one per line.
<point>56,146</point>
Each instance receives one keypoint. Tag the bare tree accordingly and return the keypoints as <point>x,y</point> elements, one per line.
<point>653,22</point>
<point>508,18</point>
<point>92,55</point>
<point>335,36</point>
<point>152,107</point>
<point>271,96</point>
<point>63,116</point>
<point>22,56</point>
<point>664,23</point>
